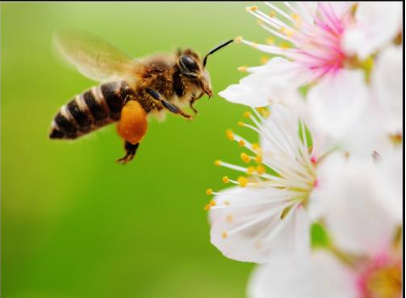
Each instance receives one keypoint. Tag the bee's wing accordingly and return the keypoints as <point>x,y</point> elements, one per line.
<point>94,57</point>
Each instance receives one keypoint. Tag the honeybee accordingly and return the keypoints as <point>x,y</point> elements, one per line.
<point>130,90</point>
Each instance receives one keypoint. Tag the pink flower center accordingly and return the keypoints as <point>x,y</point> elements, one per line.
<point>319,44</point>
<point>381,278</point>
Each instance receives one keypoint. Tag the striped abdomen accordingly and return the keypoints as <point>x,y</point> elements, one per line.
<point>91,110</point>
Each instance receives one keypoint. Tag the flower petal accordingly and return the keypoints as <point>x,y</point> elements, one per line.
<point>264,84</point>
<point>377,23</point>
<point>291,277</point>
<point>387,83</point>
<point>336,104</point>
<point>247,225</point>
<point>389,169</point>
<point>350,195</point>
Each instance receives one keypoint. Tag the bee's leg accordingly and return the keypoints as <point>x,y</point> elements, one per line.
<point>191,103</point>
<point>169,106</point>
<point>130,151</point>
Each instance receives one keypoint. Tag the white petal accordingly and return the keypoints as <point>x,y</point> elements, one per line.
<point>280,132</point>
<point>341,8</point>
<point>377,23</point>
<point>249,227</point>
<point>387,84</point>
<point>367,135</point>
<point>350,195</point>
<point>336,104</point>
<point>302,277</point>
<point>389,169</point>
<point>264,84</point>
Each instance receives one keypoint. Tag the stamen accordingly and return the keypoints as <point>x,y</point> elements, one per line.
<point>210,205</point>
<point>258,158</point>
<point>209,192</point>
<point>243,181</point>
<point>238,39</point>
<point>260,170</point>
<point>274,7</point>
<point>245,158</point>
<point>242,68</point>
<point>233,167</point>
<point>224,235</point>
<point>253,8</point>
<point>264,59</point>
<point>225,179</point>
<point>229,134</point>
<point>250,170</point>
<point>270,41</point>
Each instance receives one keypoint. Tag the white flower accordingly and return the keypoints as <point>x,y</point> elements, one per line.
<point>315,52</point>
<point>270,212</point>
<point>368,263</point>
<point>323,275</point>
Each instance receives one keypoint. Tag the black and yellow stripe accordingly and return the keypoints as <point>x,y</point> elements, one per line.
<point>91,110</point>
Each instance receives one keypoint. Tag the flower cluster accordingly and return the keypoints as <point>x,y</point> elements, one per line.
<point>327,109</point>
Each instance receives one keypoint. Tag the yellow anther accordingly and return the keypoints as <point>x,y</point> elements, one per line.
<point>242,68</point>
<point>224,235</point>
<point>242,181</point>
<point>212,203</point>
<point>229,218</point>
<point>229,134</point>
<point>260,169</point>
<point>272,14</point>
<point>253,8</point>
<point>238,39</point>
<point>295,16</point>
<point>250,170</point>
<point>270,40</point>
<point>258,158</point>
<point>209,192</point>
<point>240,123</point>
<point>207,207</point>
<point>285,46</point>
<point>265,113</point>
<point>247,114</point>
<point>241,143</point>
<point>260,22</point>
<point>396,139</point>
<point>225,179</point>
<point>264,59</point>
<point>255,146</point>
<point>217,162</point>
<point>245,158</point>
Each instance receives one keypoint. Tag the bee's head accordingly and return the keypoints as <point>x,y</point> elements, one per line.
<point>191,66</point>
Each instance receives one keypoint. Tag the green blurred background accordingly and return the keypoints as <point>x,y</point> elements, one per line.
<point>75,223</point>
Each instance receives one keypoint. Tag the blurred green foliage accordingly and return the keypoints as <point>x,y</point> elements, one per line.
<point>75,223</point>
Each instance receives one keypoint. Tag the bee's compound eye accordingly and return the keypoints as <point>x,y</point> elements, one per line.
<point>188,63</point>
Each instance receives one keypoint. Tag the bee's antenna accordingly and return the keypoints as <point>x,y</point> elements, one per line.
<point>215,49</point>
